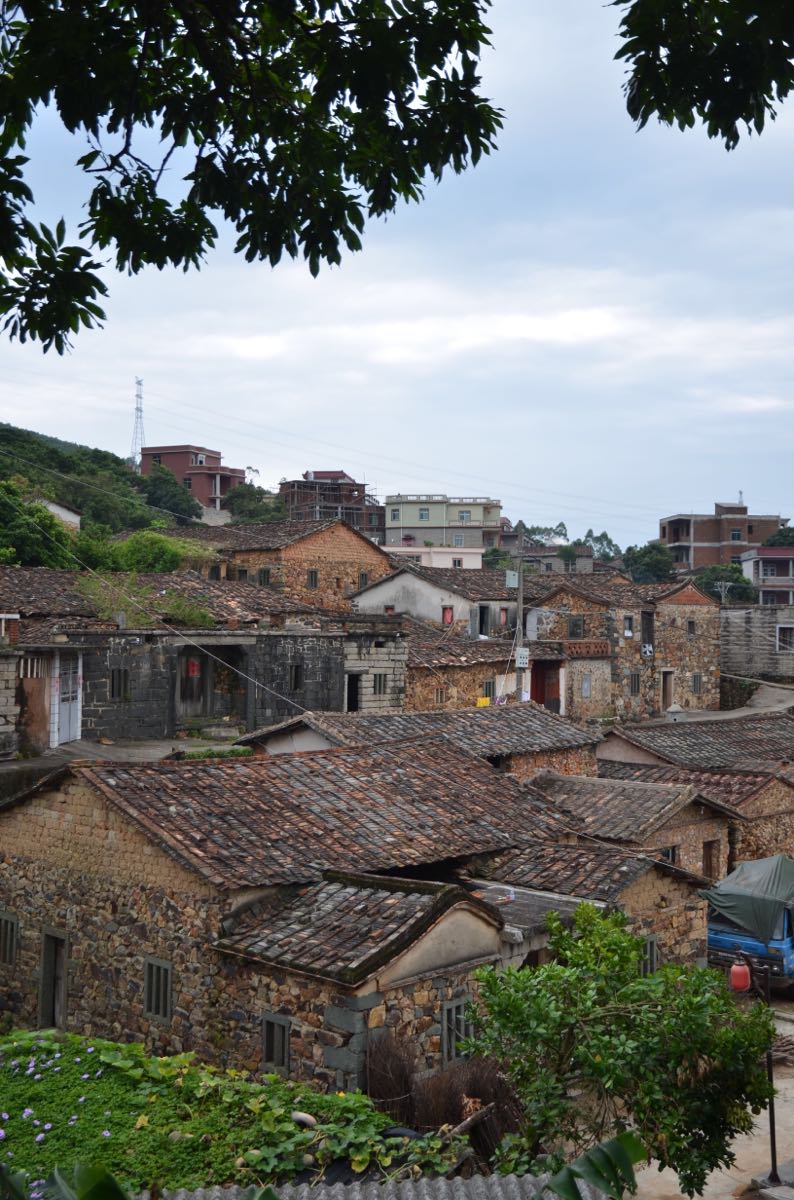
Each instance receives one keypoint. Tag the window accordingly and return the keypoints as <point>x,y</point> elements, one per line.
<point>380,683</point>
<point>669,854</point>
<point>157,458</point>
<point>312,578</point>
<point>711,859</point>
<point>576,627</point>
<point>394,514</point>
<point>650,956</point>
<point>489,688</point>
<point>363,579</point>
<point>295,676</point>
<point>157,989</point>
<point>628,626</point>
<point>119,683</point>
<point>242,574</point>
<point>388,609</point>
<point>691,629</point>
<point>457,563</point>
<point>697,684</point>
<point>548,566</point>
<point>275,1042</point>
<point>749,529</point>
<point>503,614</point>
<point>197,460</point>
<point>736,558</point>
<point>736,535</point>
<point>188,482</point>
<point>454,1027</point>
<point>372,518</point>
<point>424,514</point>
<point>634,683</point>
<point>646,636</point>
<point>34,666</point>
<point>586,686</point>
<point>464,515</point>
<point>263,576</point>
<point>441,695</point>
<point>9,936</point>
<point>447,614</point>
<point>458,540</point>
<point>785,638</point>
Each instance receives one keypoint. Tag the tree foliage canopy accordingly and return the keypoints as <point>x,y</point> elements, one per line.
<point>589,1045</point>
<point>250,503</point>
<point>781,537</point>
<point>652,563</point>
<point>293,120</point>
<point>725,63</point>
<point>30,536</point>
<point>728,579</point>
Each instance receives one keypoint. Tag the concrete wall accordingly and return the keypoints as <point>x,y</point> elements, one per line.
<point>749,642</point>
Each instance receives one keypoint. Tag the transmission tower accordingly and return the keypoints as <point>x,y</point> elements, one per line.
<point>138,436</point>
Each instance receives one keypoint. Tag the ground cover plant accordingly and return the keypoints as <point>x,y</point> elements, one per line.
<point>172,1122</point>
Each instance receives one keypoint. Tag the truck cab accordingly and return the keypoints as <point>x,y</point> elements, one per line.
<point>728,941</point>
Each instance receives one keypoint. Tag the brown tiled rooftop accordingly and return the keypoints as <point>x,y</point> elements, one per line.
<point>482,583</point>
<point>272,535</point>
<point>618,810</point>
<point>429,646</point>
<point>728,787</point>
<point>587,871</point>
<point>496,730</point>
<point>343,927</point>
<point>288,818</point>
<point>752,742</point>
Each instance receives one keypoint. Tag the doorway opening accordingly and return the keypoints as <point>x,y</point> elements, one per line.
<point>52,996</point>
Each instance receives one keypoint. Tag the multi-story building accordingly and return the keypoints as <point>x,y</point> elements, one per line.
<point>701,540</point>
<point>771,570</point>
<point>324,495</point>
<point>198,468</point>
<point>433,520</point>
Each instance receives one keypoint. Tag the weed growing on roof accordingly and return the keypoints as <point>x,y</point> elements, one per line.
<point>174,1123</point>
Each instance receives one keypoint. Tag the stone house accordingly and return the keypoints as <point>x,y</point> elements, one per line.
<point>258,658</point>
<point>763,800</point>
<point>447,671</point>
<point>673,822</point>
<point>201,907</point>
<point>321,563</point>
<point>519,739</point>
<point>477,603</point>
<point>659,898</point>
<point>632,650</point>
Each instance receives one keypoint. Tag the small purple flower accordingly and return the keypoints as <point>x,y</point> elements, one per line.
<point>97,1073</point>
<point>10,1154</point>
<point>105,1133</point>
<point>80,1101</point>
<point>77,1060</point>
<point>27,1113</point>
<point>39,1137</point>
<point>72,1120</point>
<point>58,1055</point>
<point>84,1076</point>
<point>4,1116</point>
<point>37,1077</point>
<point>47,1127</point>
<point>2,1135</point>
<point>90,1050</point>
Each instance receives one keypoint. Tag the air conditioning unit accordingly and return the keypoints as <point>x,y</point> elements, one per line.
<point>647,650</point>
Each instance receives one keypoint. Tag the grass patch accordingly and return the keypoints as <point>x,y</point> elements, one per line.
<point>175,1123</point>
<point>223,752</point>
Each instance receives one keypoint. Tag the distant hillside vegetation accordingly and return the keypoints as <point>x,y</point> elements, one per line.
<point>98,484</point>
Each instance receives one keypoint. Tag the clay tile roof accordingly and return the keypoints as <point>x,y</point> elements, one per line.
<point>589,872</point>
<point>430,647</point>
<point>42,592</point>
<point>728,787</point>
<point>288,818</point>
<point>272,535</point>
<point>618,810</point>
<point>496,730</point>
<point>751,742</point>
<point>225,599</point>
<point>522,907</point>
<point>343,927</point>
<point>474,585</point>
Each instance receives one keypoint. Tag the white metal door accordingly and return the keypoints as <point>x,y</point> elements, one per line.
<point>69,700</point>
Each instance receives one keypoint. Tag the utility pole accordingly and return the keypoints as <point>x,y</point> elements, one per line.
<point>520,628</point>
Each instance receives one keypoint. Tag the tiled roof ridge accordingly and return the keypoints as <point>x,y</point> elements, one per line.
<point>696,796</point>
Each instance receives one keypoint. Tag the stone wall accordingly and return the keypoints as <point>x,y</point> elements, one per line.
<point>689,653</point>
<point>9,708</point>
<point>769,828</point>
<point>578,761</point>
<point>146,708</point>
<point>687,831</point>
<point>461,685</point>
<point>371,654</point>
<point>593,675</point>
<point>749,642</point>
<point>414,1012</point>
<point>668,908</point>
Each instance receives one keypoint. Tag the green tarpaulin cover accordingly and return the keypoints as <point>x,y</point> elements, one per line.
<point>755,894</point>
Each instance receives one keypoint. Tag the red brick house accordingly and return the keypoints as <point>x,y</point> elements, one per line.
<point>197,468</point>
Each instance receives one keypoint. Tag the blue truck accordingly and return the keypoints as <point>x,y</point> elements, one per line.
<point>750,914</point>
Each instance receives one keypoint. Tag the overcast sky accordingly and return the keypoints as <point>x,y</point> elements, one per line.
<point>594,325</point>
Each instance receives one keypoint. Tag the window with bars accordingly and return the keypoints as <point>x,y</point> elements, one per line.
<point>587,686</point>
<point>275,1042</point>
<point>312,579</point>
<point>711,859</point>
<point>628,626</point>
<point>669,854</point>
<point>650,956</point>
<point>697,684</point>
<point>34,666</point>
<point>242,574</point>
<point>691,629</point>
<point>9,936</point>
<point>454,1027</point>
<point>119,683</point>
<point>380,683</point>
<point>441,695</point>
<point>295,676</point>
<point>157,989</point>
<point>489,688</point>
<point>457,563</point>
<point>263,576</point>
<point>634,683</point>
<point>363,579</point>
<point>576,627</point>
<point>785,638</point>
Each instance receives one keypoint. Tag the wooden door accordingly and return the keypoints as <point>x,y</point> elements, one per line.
<point>53,993</point>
